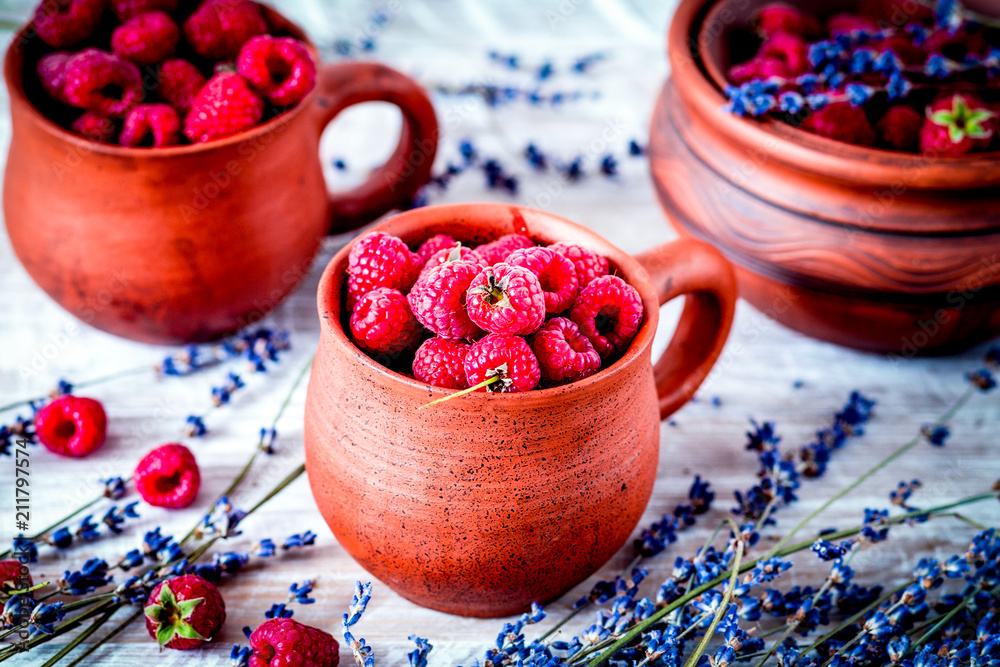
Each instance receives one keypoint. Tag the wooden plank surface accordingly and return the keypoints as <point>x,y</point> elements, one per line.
<point>767,371</point>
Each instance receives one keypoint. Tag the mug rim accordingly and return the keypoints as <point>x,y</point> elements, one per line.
<point>14,76</point>
<point>329,296</point>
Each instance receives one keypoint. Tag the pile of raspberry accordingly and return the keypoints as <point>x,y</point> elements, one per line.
<point>894,74</point>
<point>144,73</point>
<point>510,312</point>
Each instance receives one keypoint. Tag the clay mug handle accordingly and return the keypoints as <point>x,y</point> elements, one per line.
<point>340,85</point>
<point>698,271</point>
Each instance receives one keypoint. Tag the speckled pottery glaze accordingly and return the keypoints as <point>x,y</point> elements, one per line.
<point>481,505</point>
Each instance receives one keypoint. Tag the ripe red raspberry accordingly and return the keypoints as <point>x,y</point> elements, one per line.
<point>282,642</point>
<point>14,575</point>
<point>589,265</point>
<point>506,300</point>
<point>184,612</point>
<point>900,127</point>
<point>126,9</point>
<point>95,127</point>
<point>179,83</point>
<point>279,68</point>
<point>102,82</point>
<point>555,273</point>
<point>52,73</point>
<point>383,324</point>
<point>780,17</point>
<point>433,245</point>
<point>438,300</point>
<point>608,312</point>
<point>378,260</point>
<point>846,23</point>
<point>62,23</point>
<point>218,28</point>
<point>71,426</point>
<point>507,357</point>
<point>146,39</point>
<point>154,125</point>
<point>453,254</point>
<point>168,477</point>
<point>441,362</point>
<point>495,252</point>
<point>843,122</point>
<point>564,354</point>
<point>956,125</point>
<point>224,107</point>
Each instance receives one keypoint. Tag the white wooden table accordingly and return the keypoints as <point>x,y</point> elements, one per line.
<point>446,43</point>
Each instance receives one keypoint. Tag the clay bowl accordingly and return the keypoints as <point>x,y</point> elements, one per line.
<point>481,505</point>
<point>867,248</point>
<point>188,243</point>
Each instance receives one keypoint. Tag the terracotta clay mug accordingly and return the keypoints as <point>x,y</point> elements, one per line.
<point>481,505</point>
<point>188,243</point>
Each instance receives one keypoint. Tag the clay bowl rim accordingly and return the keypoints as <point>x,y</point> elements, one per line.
<point>409,226</point>
<point>14,75</point>
<point>828,158</point>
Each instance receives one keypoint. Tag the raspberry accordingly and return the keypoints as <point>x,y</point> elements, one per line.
<point>433,245</point>
<point>224,107</point>
<point>52,73</point>
<point>184,612</point>
<point>146,39</point>
<point>168,477</point>
<point>789,49</point>
<point>62,23</point>
<point>151,125</point>
<point>846,23</point>
<point>282,642</point>
<point>555,273</point>
<point>95,127</point>
<point>279,68</point>
<point>779,17</point>
<point>843,122</point>
<point>102,82</point>
<point>589,265</point>
<point>179,83</point>
<point>564,354</point>
<point>441,362</point>
<point>956,125</point>
<point>383,324</point>
<point>608,312</point>
<point>71,426</point>
<point>218,28</point>
<point>378,260</point>
<point>507,357</point>
<point>900,127</point>
<point>497,251</point>
<point>507,300</point>
<point>757,68</point>
<point>438,300</point>
<point>453,254</point>
<point>126,9</point>
<point>14,576</point>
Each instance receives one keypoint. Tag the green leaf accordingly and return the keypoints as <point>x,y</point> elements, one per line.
<point>155,613</point>
<point>943,117</point>
<point>187,631</point>
<point>186,608</point>
<point>167,598</point>
<point>956,134</point>
<point>165,633</point>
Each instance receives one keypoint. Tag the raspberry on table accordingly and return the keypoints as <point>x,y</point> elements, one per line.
<point>126,9</point>
<point>184,612</point>
<point>509,358</point>
<point>168,477</point>
<point>71,425</point>
<point>62,23</point>
<point>453,254</point>
<point>507,300</point>
<point>556,275</point>
<point>433,245</point>
<point>281,69</point>
<point>102,82</point>
<point>609,312</point>
<point>283,642</point>
<point>495,252</point>
<point>382,323</point>
<point>11,578</point>
<point>95,127</point>
<point>146,39</point>
<point>564,353</point>
<point>441,362</point>
<point>378,260</point>
<point>153,125</point>
<point>52,73</point>
<point>218,28</point>
<point>224,107</point>
<point>589,264</point>
<point>438,300</point>
<point>179,83</point>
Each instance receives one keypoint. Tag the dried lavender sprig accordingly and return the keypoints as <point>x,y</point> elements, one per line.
<point>723,606</point>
